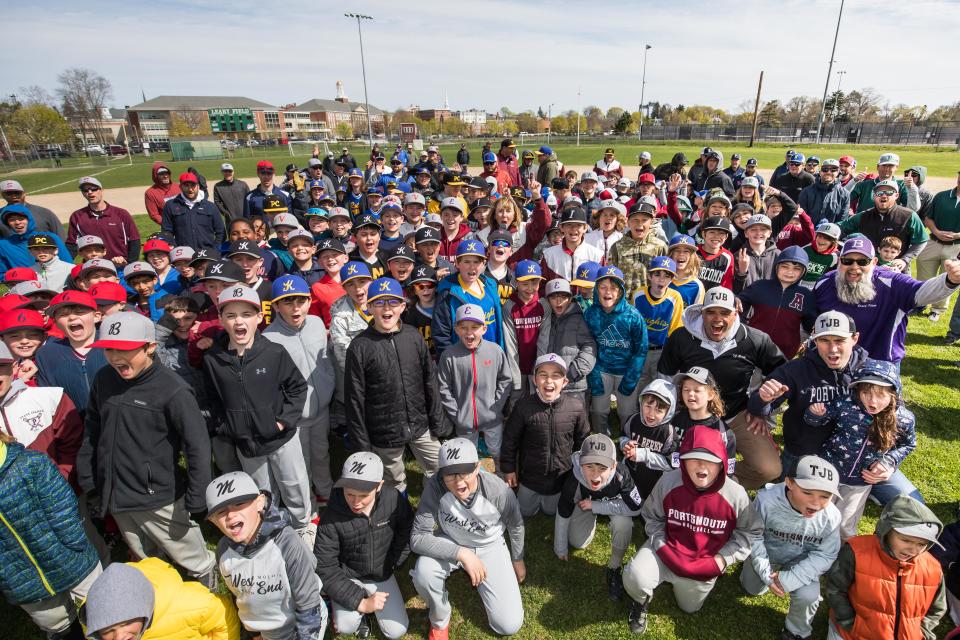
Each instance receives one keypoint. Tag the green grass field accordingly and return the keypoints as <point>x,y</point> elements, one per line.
<point>117,172</point>
<point>568,599</point>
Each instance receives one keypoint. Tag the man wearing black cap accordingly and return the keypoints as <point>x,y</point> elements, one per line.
<point>608,166</point>
<point>507,162</point>
<point>735,172</point>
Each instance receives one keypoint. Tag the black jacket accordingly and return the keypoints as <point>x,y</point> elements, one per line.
<point>134,433</point>
<point>351,545</point>
<point>390,389</point>
<point>256,391</point>
<point>716,180</point>
<point>463,157</point>
<point>540,439</point>
<point>792,185</point>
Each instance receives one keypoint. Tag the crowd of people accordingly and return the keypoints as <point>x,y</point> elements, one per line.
<point>489,325</point>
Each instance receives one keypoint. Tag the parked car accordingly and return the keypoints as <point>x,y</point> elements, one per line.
<point>228,145</point>
<point>135,147</point>
<point>116,150</point>
<point>160,146</point>
<point>94,150</point>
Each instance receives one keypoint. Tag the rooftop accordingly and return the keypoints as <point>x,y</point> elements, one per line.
<point>201,103</point>
<point>320,105</point>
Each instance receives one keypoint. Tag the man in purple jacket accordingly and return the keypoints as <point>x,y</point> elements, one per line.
<point>879,300</point>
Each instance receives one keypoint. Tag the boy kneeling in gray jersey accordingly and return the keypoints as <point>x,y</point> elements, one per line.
<point>463,514</point>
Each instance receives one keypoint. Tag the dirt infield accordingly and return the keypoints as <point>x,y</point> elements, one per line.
<point>131,198</point>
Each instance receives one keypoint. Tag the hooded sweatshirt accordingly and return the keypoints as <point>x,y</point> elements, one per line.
<point>474,386</point>
<point>803,548</point>
<point>307,347</point>
<point>649,459</point>
<point>686,527</point>
<point>873,595</point>
<point>568,336</point>
<point>825,201</point>
<point>621,336</point>
<point>13,248</point>
<point>918,198</point>
<point>157,195</point>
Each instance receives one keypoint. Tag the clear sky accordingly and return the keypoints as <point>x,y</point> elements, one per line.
<point>516,53</point>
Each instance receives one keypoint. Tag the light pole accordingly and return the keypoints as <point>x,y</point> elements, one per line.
<point>549,122</point>
<point>643,86</point>
<point>363,67</point>
<point>826,86</point>
<point>840,79</point>
<point>579,103</point>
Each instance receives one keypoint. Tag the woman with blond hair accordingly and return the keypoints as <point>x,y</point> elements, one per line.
<point>508,215</point>
<point>749,193</point>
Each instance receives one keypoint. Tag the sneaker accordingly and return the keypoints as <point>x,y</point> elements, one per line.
<point>934,316</point>
<point>437,634</point>
<point>950,338</point>
<point>787,635</point>
<point>615,584</point>
<point>637,619</point>
<point>363,631</point>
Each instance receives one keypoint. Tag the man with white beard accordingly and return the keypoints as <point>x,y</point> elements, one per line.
<point>879,300</point>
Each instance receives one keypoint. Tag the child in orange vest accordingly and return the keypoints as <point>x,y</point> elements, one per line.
<point>888,585</point>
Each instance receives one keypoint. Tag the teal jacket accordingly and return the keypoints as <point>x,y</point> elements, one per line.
<point>621,337</point>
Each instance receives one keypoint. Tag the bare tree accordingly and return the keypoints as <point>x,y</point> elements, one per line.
<point>85,94</point>
<point>863,104</point>
<point>35,94</point>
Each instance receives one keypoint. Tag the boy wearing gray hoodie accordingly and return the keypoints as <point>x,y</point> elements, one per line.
<point>475,381</point>
<point>648,437</point>
<point>801,539</point>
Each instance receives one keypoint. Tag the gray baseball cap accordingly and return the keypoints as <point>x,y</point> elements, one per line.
<point>139,268</point>
<point>125,330</point>
<point>458,455</point>
<point>557,285</point>
<point>87,241</point>
<point>239,293</point>
<point>98,263</point>
<point>719,297</point>
<point>471,312</point>
<point>178,254</point>
<point>598,449</point>
<point>362,471</point>
<point>231,488</point>
<point>550,358</point>
<point>833,323</point>
<point>699,374</point>
<point>816,474</point>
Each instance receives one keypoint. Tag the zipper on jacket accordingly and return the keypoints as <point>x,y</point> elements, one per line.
<point>26,551</point>
<point>896,619</point>
<point>150,480</point>
<point>408,433</point>
<point>473,389</point>
<point>550,436</point>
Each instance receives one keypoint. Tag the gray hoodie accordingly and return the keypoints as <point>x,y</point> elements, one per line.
<point>474,385</point>
<point>308,348</point>
<point>569,337</point>
<point>645,455</point>
<point>119,594</point>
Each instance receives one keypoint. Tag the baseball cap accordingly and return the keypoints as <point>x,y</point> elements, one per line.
<point>362,471</point>
<point>860,244</point>
<point>574,213</point>
<point>189,177</point>
<point>813,160</point>
<point>890,184</point>
<point>354,269</point>
<point>125,330</point>
<point>736,156</point>
<point>683,240</point>
<point>156,244</point>
<point>285,220</point>
<point>226,166</point>
<point>796,156</point>
<point>816,474</point>
<point>613,204</point>
<point>646,178</point>
<point>414,198</point>
<point>355,173</point>
<point>138,268</point>
<point>507,142</point>
<point>471,247</point>
<point>716,222</point>
<point>488,157</point>
<point>433,149</point>
<point>316,184</point>
<point>264,164</point>
<point>30,287</point>
<point>13,301</point>
<point>550,358</point>
<point>401,252</point>
<point>756,219</point>
<point>89,180</point>
<point>239,294</point>
<point>719,297</point>
<point>544,151</point>
<point>598,448</point>
<point>314,162</point>
<point>750,181</point>
<point>229,489</point>
<point>223,270</point>
<point>451,203</point>
<point>528,270</point>
<point>889,158</point>
<point>610,271</point>
<point>11,185</point>
<point>178,254</point>
<point>331,244</point>
<point>423,273</point>
<point>457,455</point>
<point>108,293</point>
<point>850,160</point>
<point>39,240</point>
<point>830,162</point>
<point>367,220</point>
<point>589,175</point>
<point>338,212</point>
<point>89,241</point>
<point>499,235</point>
<point>21,319</point>
<point>288,286</point>
<point>643,207</point>
<point>558,285</point>
<point>700,453</point>
<point>829,229</point>
<point>481,203</point>
<point>244,247</point>
<point>427,234</point>
<point>586,274</point>
<point>97,263</point>
<point>751,162</point>
<point>204,254</point>
<point>5,356</point>
<point>698,374</point>
<point>645,155</point>
<point>662,263</point>
<point>928,531</point>
<point>274,204</point>
<point>471,312</point>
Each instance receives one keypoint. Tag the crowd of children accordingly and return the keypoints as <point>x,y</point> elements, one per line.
<point>460,319</point>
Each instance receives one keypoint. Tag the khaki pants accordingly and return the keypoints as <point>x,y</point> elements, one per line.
<point>930,263</point>
<point>853,501</point>
<point>426,449</point>
<point>646,571</point>
<point>56,613</point>
<point>168,529</point>
<point>761,456</point>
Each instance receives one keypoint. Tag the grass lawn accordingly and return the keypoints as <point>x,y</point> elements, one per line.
<point>117,172</point>
<point>568,599</point>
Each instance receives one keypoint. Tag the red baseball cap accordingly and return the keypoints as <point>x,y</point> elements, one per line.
<point>21,319</point>
<point>108,292</point>
<point>19,274</point>
<point>264,164</point>
<point>189,177</point>
<point>848,160</point>
<point>13,301</point>
<point>79,298</point>
<point>646,178</point>
<point>156,245</point>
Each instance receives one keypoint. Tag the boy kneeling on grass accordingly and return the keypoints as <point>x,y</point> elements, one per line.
<point>698,523</point>
<point>801,538</point>
<point>264,563</point>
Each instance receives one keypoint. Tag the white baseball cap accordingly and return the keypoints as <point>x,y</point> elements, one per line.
<point>833,323</point>
<point>458,455</point>
<point>87,241</point>
<point>11,185</point>
<point>226,166</point>
<point>719,297</point>
<point>231,488</point>
<point>362,471</point>
<point>889,158</point>
<point>558,285</point>
<point>816,474</point>
<point>589,175</point>
<point>239,293</point>
<point>550,358</point>
<point>451,203</point>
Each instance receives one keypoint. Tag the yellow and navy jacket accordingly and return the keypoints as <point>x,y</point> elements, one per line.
<point>662,315</point>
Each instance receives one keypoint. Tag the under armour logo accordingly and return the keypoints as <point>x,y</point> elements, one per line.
<point>260,372</point>
<point>114,329</point>
<point>238,292</point>
<point>453,454</point>
<point>224,487</point>
<point>288,285</point>
<point>357,467</point>
<point>384,286</point>
<point>217,268</point>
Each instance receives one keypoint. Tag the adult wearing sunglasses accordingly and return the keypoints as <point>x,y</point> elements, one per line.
<point>879,300</point>
<point>113,225</point>
<point>826,199</point>
<point>253,203</point>
<point>795,179</point>
<point>861,197</point>
<point>887,218</point>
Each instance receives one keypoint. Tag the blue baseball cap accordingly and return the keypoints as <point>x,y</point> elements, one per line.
<point>290,285</point>
<point>611,272</point>
<point>354,269</point>
<point>544,150</point>
<point>374,191</point>
<point>472,247</point>
<point>682,239</point>
<point>316,184</point>
<point>384,288</point>
<point>797,157</point>
<point>355,172</point>
<point>489,156</point>
<point>317,211</point>
<point>528,270</point>
<point>586,274</point>
<point>662,263</point>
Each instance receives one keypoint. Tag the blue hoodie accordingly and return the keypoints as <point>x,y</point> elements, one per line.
<point>621,336</point>
<point>450,296</point>
<point>13,248</point>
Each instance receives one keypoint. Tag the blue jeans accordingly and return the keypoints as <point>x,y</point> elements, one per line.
<point>884,492</point>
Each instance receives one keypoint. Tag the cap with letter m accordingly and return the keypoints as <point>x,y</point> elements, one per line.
<point>229,489</point>
<point>362,471</point>
<point>458,455</point>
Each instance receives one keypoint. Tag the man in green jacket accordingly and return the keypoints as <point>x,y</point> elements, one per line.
<point>861,198</point>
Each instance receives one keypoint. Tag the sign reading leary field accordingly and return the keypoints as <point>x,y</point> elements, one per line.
<point>231,120</point>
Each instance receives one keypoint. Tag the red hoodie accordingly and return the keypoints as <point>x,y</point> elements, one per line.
<point>448,248</point>
<point>687,527</point>
<point>155,196</point>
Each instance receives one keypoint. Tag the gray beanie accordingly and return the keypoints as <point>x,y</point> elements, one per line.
<point>121,593</point>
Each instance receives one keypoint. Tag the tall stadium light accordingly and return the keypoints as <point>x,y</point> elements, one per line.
<point>826,85</point>
<point>363,67</point>
<point>643,86</point>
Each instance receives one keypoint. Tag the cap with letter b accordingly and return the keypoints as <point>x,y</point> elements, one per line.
<point>125,330</point>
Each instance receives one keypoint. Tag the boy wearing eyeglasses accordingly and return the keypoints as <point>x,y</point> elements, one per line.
<point>390,388</point>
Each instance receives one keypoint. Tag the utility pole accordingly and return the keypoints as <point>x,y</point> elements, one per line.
<point>579,103</point>
<point>756,111</point>
<point>826,86</point>
<point>363,68</point>
<point>549,122</point>
<point>643,86</point>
